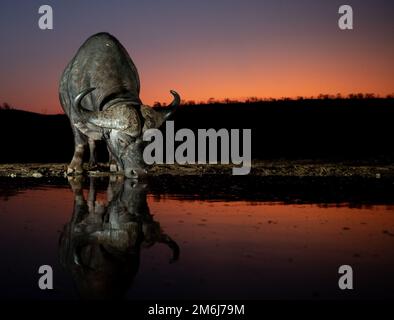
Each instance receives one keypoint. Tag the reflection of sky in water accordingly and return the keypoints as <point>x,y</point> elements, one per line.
<point>228,249</point>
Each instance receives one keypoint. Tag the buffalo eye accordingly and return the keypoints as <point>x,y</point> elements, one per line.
<point>125,141</point>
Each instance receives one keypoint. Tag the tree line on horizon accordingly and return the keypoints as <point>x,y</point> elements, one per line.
<point>338,96</point>
<point>255,100</point>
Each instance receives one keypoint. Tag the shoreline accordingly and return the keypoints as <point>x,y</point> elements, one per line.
<point>260,168</point>
<point>289,182</point>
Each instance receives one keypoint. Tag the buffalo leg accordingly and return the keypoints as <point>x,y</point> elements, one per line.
<point>80,141</point>
<point>92,149</point>
<point>113,166</point>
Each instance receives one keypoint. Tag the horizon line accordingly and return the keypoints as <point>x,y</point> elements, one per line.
<point>248,100</point>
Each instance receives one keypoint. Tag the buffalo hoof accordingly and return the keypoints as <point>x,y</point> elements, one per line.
<point>74,171</point>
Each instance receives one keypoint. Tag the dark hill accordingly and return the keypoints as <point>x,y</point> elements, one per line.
<point>31,137</point>
<point>332,129</point>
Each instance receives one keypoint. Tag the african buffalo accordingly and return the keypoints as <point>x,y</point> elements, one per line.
<point>99,92</point>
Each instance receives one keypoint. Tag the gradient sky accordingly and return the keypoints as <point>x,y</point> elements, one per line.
<point>203,48</point>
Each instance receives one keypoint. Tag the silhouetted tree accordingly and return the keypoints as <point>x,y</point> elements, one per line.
<point>369,95</point>
<point>6,106</point>
<point>190,103</point>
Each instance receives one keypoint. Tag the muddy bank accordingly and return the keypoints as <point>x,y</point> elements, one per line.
<point>303,168</point>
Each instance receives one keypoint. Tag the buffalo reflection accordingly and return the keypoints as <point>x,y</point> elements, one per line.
<point>101,244</point>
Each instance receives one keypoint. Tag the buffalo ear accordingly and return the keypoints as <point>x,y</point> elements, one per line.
<point>151,117</point>
<point>91,131</point>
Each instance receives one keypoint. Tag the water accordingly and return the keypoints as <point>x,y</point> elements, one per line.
<point>125,241</point>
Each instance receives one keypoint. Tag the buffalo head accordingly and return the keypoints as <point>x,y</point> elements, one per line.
<point>122,124</point>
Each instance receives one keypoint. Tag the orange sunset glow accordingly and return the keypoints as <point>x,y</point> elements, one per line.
<point>206,50</point>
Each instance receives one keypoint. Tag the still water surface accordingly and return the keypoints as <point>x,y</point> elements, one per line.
<point>124,241</point>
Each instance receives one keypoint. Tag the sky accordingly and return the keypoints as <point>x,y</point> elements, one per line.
<point>203,48</point>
